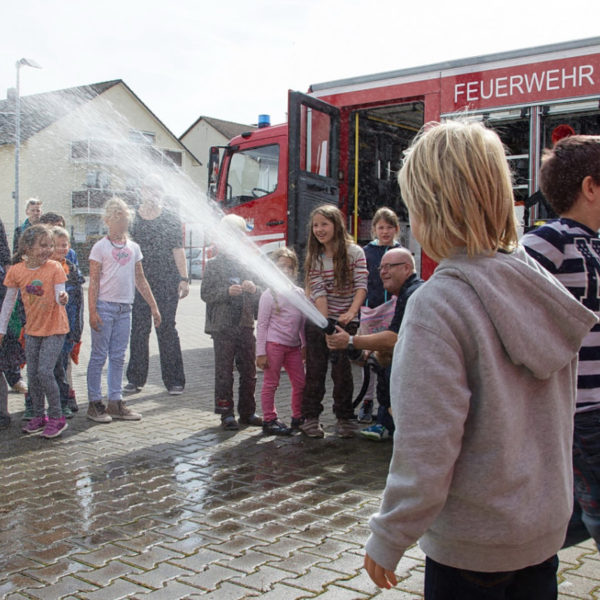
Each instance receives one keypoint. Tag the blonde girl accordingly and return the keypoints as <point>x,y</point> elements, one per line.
<point>115,272</point>
<point>279,343</point>
<point>336,282</point>
<point>42,285</point>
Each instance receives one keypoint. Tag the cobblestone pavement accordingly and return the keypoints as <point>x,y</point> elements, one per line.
<point>174,507</point>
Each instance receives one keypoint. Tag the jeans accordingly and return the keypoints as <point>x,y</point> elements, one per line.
<point>537,582</point>
<point>169,346</point>
<point>42,354</point>
<point>290,358</point>
<point>111,341</point>
<point>317,358</point>
<point>586,472</point>
<point>236,344</point>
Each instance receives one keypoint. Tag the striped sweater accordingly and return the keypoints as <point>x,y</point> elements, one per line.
<point>571,252</point>
<point>321,281</point>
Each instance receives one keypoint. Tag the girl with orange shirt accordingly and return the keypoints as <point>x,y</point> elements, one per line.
<point>42,285</point>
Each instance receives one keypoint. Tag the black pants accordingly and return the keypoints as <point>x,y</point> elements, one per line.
<point>236,345</point>
<point>169,347</point>
<point>537,582</point>
<point>317,358</point>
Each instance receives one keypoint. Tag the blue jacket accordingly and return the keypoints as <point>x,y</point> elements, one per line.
<point>376,294</point>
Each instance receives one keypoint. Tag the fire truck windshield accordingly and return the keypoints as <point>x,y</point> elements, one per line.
<point>252,174</point>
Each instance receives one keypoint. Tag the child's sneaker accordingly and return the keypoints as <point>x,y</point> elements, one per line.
<point>345,428</point>
<point>365,412</point>
<point>20,387</point>
<point>295,423</point>
<point>312,428</point>
<point>97,412</point>
<point>54,427</point>
<point>375,432</point>
<point>35,424</point>
<point>276,427</point>
<point>118,410</point>
<point>131,388</point>
<point>67,413</point>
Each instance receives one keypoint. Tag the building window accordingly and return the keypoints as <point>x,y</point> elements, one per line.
<point>142,137</point>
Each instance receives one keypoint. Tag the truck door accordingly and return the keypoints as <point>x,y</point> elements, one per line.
<point>313,159</point>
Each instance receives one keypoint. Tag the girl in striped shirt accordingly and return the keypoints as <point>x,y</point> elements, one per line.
<point>336,282</point>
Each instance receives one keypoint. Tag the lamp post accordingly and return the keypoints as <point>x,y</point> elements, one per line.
<point>22,62</point>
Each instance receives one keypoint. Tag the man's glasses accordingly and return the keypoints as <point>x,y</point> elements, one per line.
<point>388,266</point>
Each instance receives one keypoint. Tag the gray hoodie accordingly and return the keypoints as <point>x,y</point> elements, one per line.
<point>483,396</point>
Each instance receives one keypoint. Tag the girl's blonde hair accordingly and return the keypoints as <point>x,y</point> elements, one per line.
<point>114,206</point>
<point>389,216</point>
<point>28,239</point>
<point>289,253</point>
<point>314,249</point>
<point>455,180</point>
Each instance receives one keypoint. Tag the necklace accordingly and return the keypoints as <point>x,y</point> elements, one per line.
<point>119,247</point>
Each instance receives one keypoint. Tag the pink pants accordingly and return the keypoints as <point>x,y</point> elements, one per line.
<point>290,358</point>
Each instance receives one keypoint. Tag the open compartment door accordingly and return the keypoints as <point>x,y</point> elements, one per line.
<point>314,131</point>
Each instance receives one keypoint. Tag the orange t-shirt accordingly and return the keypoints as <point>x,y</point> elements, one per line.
<point>44,316</point>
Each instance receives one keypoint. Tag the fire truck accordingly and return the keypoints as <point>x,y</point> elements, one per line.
<point>344,140</point>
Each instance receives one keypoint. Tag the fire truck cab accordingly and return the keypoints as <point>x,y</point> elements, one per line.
<point>344,140</point>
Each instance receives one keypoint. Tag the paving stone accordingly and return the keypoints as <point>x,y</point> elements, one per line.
<point>55,571</point>
<point>249,561</point>
<point>211,578</point>
<point>579,588</point>
<point>103,555</point>
<point>334,592</point>
<point>332,547</point>
<point>150,558</point>
<point>105,575</point>
<point>63,587</point>
<point>262,579</point>
<point>299,562</point>
<point>315,580</point>
<point>238,545</point>
<point>229,591</point>
<point>158,577</point>
<point>280,591</point>
<point>120,588</point>
<point>200,560</point>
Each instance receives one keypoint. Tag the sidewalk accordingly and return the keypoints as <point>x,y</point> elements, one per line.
<point>173,507</point>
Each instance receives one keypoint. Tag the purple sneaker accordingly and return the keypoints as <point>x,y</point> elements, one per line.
<point>36,424</point>
<point>55,427</point>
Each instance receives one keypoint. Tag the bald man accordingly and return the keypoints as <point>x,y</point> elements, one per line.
<point>399,277</point>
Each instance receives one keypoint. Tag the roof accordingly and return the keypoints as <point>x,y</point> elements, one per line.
<point>452,64</point>
<point>228,129</point>
<point>39,111</point>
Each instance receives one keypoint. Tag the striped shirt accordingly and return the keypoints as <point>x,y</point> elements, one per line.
<point>571,251</point>
<point>321,281</point>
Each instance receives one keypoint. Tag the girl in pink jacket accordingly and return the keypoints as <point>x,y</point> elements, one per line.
<point>280,343</point>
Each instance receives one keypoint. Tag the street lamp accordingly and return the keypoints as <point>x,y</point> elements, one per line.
<point>22,62</point>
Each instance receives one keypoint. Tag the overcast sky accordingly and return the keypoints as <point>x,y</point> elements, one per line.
<point>234,59</point>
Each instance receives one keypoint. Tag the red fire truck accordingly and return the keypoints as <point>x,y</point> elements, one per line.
<point>344,140</point>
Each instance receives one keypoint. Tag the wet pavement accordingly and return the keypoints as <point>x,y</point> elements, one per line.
<point>174,507</point>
